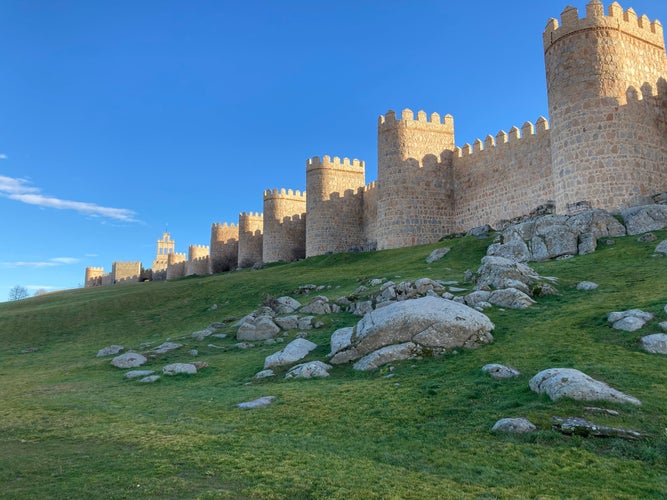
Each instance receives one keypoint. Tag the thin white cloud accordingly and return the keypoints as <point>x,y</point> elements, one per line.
<point>21,190</point>
<point>34,288</point>
<point>56,261</point>
<point>3,157</point>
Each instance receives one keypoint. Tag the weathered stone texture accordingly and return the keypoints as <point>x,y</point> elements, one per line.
<point>224,247</point>
<point>251,228</point>
<point>335,202</point>
<point>284,225</point>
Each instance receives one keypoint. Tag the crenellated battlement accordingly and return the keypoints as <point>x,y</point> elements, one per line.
<point>95,270</point>
<point>251,215</point>
<point>370,186</point>
<point>225,225</point>
<point>433,121</point>
<point>327,162</point>
<point>527,131</point>
<point>284,194</point>
<point>624,21</point>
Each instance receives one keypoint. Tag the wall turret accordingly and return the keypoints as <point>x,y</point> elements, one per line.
<point>224,247</point>
<point>93,276</point>
<point>414,199</point>
<point>334,205</point>
<point>199,261</point>
<point>284,225</point>
<point>176,265</point>
<point>605,151</point>
<point>251,227</point>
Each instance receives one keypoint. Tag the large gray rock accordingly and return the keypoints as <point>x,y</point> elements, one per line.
<point>109,350</point>
<point>293,352</point>
<point>645,218</point>
<point>317,305</point>
<point>290,322</point>
<point>261,328</point>
<point>514,425</point>
<point>630,320</point>
<point>180,368</point>
<point>500,372</point>
<point>655,343</point>
<point>313,369</point>
<point>499,272</point>
<point>437,254</point>
<point>573,384</point>
<point>341,339</point>
<point>428,321</point>
<point>515,250</point>
<point>598,223</point>
<point>384,355</point>
<point>510,298</point>
<point>286,305</point>
<point>128,360</point>
<point>662,247</point>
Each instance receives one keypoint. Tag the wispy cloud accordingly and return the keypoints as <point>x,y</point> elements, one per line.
<point>34,288</point>
<point>3,157</point>
<point>56,261</point>
<point>21,190</point>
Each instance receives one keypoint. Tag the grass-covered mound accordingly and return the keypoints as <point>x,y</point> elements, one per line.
<point>71,426</point>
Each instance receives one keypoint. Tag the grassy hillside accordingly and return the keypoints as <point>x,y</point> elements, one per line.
<point>72,426</point>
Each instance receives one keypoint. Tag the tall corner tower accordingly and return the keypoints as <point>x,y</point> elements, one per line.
<point>334,205</point>
<point>414,202</point>
<point>224,247</point>
<point>608,145</point>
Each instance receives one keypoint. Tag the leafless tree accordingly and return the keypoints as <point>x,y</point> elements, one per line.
<point>18,292</point>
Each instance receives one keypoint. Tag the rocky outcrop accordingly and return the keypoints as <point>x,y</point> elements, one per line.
<point>570,383</point>
<point>256,403</point>
<point>429,322</point>
<point>180,368</point>
<point>313,369</point>
<point>109,350</point>
<point>645,218</point>
<point>630,320</point>
<point>500,372</point>
<point>437,254</point>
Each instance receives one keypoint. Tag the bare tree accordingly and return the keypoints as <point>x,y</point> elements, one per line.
<point>18,292</point>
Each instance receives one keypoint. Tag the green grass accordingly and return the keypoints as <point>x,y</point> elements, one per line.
<point>71,425</point>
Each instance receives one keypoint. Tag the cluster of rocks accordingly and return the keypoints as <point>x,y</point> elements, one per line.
<point>635,319</point>
<point>560,236</point>
<point>267,322</point>
<point>566,383</point>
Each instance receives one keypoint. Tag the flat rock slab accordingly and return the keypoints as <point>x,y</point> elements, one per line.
<point>582,427</point>
<point>166,347</point>
<point>109,350</point>
<point>662,247</point>
<point>150,379</point>
<point>179,368</point>
<point>128,360</point>
<point>388,354</point>
<point>514,425</point>
<point>655,343</point>
<point>570,383</point>
<point>139,373</point>
<point>257,403</point>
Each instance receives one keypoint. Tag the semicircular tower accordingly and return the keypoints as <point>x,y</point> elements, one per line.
<point>414,200</point>
<point>334,205</point>
<point>608,141</point>
<point>284,237</point>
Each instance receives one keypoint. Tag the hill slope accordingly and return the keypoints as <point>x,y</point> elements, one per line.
<point>72,425</point>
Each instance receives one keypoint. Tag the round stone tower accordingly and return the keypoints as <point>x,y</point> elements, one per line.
<point>604,74</point>
<point>251,225</point>
<point>414,201</point>
<point>334,205</point>
<point>224,247</point>
<point>284,236</point>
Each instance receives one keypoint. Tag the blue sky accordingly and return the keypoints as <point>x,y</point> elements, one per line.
<point>118,118</point>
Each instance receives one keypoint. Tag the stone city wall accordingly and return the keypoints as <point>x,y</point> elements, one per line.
<point>284,225</point>
<point>251,228</point>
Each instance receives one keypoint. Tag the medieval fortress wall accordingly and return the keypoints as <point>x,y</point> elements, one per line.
<point>606,147</point>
